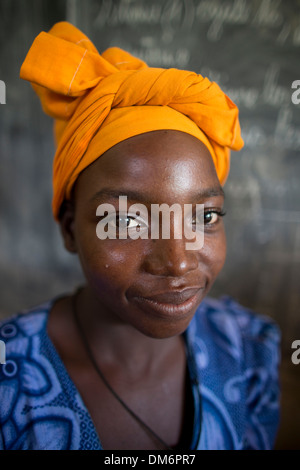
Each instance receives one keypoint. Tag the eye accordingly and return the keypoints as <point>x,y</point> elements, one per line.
<point>128,223</point>
<point>211,217</point>
<point>123,222</point>
<point>207,218</point>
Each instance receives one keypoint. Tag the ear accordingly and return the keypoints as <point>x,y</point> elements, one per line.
<point>67,224</point>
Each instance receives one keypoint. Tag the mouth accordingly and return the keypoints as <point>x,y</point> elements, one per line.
<point>171,304</point>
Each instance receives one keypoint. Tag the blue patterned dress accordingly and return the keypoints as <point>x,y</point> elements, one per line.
<point>232,356</point>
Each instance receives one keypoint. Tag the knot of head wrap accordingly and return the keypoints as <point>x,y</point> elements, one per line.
<point>98,101</point>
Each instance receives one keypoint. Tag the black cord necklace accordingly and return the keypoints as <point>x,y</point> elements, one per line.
<point>106,383</point>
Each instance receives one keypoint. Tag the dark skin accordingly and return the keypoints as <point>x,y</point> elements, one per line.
<point>139,350</point>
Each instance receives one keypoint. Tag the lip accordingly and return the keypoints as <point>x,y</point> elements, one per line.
<point>170,304</point>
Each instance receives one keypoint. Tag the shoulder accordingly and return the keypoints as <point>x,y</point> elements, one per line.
<point>25,323</point>
<point>40,406</point>
<point>21,330</point>
<point>237,354</point>
<point>244,335</point>
<point>25,374</point>
<point>22,335</point>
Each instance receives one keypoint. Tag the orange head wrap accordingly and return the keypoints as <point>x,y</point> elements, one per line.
<point>98,101</point>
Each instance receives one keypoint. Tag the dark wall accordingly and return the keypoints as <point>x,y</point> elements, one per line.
<point>252,49</point>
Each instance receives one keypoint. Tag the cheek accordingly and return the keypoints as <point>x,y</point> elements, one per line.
<point>214,252</point>
<point>108,265</point>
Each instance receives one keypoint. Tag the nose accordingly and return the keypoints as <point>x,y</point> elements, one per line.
<point>170,258</point>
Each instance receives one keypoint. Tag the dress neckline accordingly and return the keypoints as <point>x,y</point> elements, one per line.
<point>71,390</point>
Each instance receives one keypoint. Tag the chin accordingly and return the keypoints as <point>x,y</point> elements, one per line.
<point>164,329</point>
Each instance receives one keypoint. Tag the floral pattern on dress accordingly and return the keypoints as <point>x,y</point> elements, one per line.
<point>235,353</point>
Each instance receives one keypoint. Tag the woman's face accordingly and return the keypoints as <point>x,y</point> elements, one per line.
<point>154,285</point>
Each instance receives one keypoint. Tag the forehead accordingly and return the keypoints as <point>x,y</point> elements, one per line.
<point>160,164</point>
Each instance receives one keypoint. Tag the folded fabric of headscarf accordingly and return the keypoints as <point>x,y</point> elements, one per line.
<point>99,100</point>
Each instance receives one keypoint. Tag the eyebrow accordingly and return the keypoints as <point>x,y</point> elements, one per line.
<point>108,193</point>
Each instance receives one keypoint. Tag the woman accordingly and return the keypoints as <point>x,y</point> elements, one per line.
<point>139,357</point>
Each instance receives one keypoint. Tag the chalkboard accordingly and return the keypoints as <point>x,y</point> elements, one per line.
<point>252,49</point>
